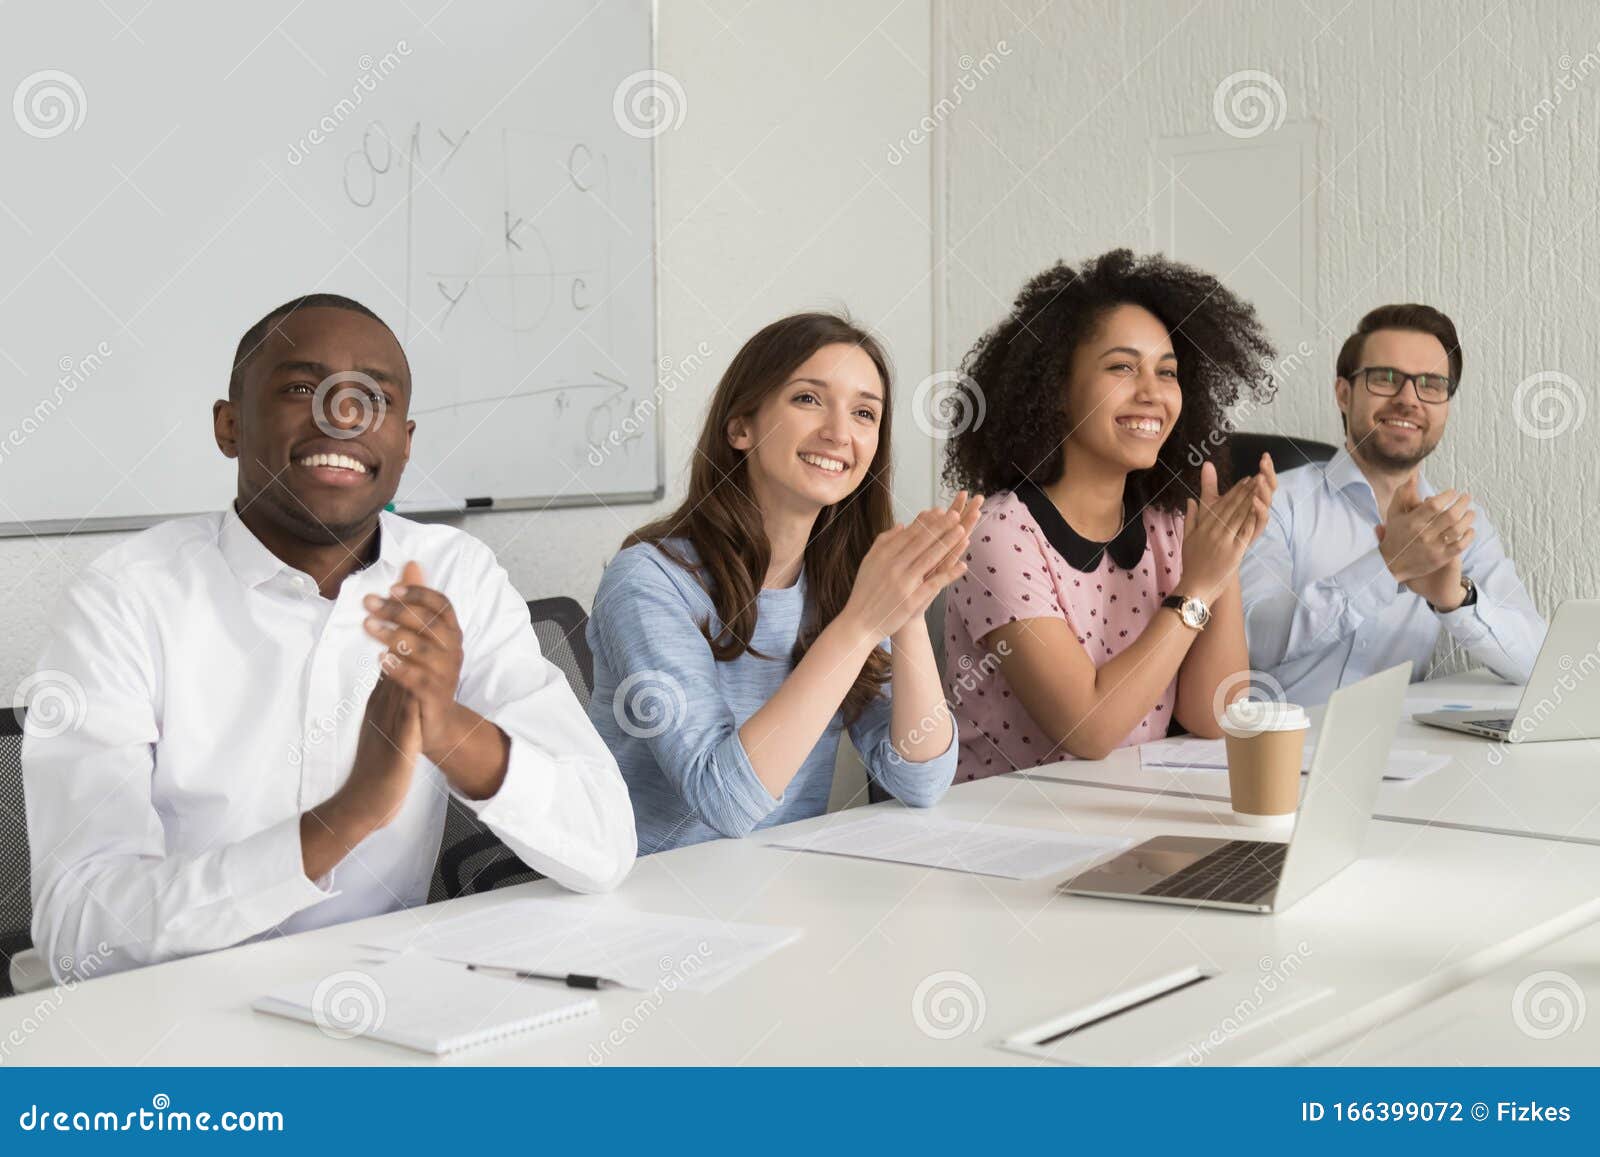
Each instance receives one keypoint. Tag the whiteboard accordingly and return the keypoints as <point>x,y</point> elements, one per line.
<point>479,174</point>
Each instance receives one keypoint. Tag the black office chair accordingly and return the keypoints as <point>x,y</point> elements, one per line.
<point>472,858</point>
<point>1245,450</point>
<point>16,901</point>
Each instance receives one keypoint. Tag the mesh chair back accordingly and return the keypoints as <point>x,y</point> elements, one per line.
<point>16,905</point>
<point>471,857</point>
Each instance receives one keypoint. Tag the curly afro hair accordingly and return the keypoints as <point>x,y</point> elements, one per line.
<point>1019,372</point>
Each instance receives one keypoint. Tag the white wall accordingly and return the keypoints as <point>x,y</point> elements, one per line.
<point>775,196</point>
<point>1407,108</point>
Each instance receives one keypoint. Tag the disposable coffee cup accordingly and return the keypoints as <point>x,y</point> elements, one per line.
<point>1266,744</point>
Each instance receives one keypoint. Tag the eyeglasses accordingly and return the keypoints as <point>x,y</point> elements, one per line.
<point>1386,382</point>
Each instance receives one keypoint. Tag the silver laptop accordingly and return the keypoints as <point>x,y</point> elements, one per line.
<point>1561,701</point>
<point>1267,876</point>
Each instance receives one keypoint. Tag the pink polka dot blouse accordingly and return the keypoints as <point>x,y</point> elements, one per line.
<point>1025,563</point>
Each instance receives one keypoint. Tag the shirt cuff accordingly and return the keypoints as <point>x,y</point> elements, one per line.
<point>523,801</point>
<point>1367,585</point>
<point>1463,624</point>
<point>748,795</point>
<point>267,876</point>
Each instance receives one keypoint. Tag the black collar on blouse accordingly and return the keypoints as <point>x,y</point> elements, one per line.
<point>1083,554</point>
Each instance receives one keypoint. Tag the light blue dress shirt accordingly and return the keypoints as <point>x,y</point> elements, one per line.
<point>1322,610</point>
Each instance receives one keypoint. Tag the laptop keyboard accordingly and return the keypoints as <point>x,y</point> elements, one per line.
<point>1496,724</point>
<point>1239,872</point>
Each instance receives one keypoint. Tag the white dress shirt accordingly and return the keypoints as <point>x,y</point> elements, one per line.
<point>1322,609</point>
<point>222,696</point>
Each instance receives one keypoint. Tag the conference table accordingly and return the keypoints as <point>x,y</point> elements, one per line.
<point>1548,791</point>
<point>1532,1011</point>
<point>900,964</point>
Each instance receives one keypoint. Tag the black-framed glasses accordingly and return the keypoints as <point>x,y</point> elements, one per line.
<point>1386,382</point>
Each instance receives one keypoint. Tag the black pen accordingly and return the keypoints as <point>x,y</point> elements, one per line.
<point>570,979</point>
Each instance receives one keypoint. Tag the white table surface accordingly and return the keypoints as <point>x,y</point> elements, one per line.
<point>1425,911</point>
<point>1543,1009</point>
<point>1545,790</point>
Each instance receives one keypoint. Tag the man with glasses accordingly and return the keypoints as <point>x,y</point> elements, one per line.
<point>1364,562</point>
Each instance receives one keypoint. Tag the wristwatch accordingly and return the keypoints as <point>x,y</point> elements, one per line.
<point>1194,612</point>
<point>1468,598</point>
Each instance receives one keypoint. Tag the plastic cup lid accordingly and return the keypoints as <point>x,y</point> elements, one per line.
<point>1253,716</point>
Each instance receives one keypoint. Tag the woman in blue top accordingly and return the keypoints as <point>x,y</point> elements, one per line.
<point>734,638</point>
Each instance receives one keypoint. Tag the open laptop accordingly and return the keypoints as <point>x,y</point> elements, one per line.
<point>1561,701</point>
<point>1262,875</point>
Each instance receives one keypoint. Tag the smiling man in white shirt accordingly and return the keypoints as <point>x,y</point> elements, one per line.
<point>279,699</point>
<point>1364,563</point>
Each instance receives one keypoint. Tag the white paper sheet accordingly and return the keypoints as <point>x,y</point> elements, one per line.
<point>983,849</point>
<point>1187,753</point>
<point>636,949</point>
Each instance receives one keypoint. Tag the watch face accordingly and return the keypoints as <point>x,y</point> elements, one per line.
<point>1195,613</point>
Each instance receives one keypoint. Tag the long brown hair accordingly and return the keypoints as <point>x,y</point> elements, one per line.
<point>719,516</point>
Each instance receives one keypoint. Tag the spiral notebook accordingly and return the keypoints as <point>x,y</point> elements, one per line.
<point>425,1004</point>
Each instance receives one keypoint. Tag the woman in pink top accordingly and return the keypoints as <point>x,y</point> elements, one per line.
<point>1101,598</point>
